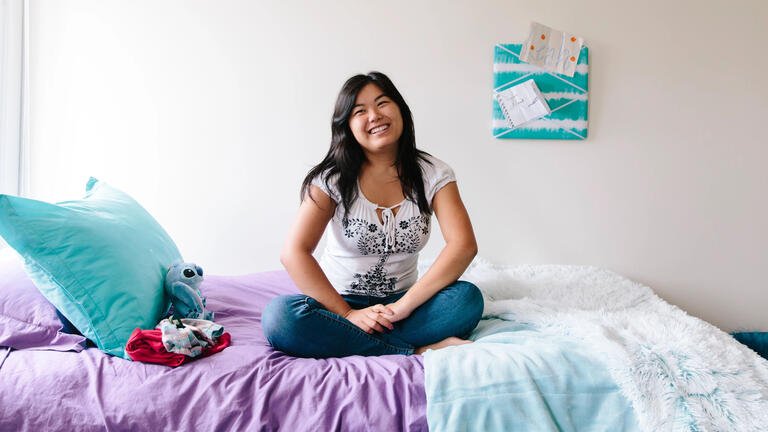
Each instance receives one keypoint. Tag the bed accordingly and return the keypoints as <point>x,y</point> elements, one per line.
<point>518,375</point>
<point>247,386</point>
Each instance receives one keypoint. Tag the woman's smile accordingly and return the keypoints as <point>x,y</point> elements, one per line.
<point>379,130</point>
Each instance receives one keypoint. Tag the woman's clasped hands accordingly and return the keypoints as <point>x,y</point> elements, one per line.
<point>377,317</point>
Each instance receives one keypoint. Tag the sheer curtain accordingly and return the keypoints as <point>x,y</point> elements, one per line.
<point>13,96</point>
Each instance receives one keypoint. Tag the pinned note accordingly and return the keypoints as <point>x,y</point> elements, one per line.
<point>522,103</point>
<point>551,49</point>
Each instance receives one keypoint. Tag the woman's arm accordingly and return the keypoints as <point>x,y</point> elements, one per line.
<point>304,235</point>
<point>459,250</point>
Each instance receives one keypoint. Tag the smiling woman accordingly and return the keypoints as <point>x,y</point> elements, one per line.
<point>375,192</point>
<point>376,121</point>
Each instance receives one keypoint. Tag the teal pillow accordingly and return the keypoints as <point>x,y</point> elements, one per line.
<point>100,260</point>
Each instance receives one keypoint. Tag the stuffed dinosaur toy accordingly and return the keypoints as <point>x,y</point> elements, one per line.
<point>182,283</point>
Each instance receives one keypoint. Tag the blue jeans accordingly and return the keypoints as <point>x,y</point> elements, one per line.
<point>300,326</point>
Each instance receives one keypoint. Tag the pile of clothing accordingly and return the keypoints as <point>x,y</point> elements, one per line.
<point>175,341</point>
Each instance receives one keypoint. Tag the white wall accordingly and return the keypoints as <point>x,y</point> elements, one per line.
<point>210,114</point>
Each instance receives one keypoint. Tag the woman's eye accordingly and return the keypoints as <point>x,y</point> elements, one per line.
<point>358,112</point>
<point>382,102</point>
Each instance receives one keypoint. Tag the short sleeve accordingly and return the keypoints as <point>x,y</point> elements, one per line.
<point>330,188</point>
<point>436,175</point>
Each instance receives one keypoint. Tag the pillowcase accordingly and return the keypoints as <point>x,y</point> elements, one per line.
<point>27,319</point>
<point>100,261</point>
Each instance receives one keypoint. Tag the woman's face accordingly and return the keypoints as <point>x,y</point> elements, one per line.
<point>376,121</point>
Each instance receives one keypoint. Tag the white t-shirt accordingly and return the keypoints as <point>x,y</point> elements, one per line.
<point>367,257</point>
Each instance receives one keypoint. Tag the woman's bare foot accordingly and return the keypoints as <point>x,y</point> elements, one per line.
<point>449,341</point>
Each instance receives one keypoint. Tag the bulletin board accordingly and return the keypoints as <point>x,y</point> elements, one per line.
<point>567,96</point>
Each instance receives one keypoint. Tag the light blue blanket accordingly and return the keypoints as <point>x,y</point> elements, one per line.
<point>571,347</point>
<point>515,378</point>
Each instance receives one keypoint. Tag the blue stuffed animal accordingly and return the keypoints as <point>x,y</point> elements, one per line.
<point>182,283</point>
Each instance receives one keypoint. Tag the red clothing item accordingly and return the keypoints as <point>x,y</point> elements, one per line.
<point>147,346</point>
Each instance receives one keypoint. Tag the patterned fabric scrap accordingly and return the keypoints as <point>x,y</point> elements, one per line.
<point>189,336</point>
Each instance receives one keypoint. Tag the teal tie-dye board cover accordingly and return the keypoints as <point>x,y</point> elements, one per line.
<point>566,96</point>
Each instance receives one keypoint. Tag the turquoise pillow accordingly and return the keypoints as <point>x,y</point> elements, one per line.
<point>100,260</point>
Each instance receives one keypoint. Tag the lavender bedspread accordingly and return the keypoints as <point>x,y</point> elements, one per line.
<point>248,386</point>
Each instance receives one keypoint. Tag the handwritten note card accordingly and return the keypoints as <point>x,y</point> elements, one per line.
<point>552,49</point>
<point>522,103</point>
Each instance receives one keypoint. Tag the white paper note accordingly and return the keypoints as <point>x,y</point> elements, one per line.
<point>522,103</point>
<point>552,49</point>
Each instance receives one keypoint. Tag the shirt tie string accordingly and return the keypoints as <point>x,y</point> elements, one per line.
<point>388,218</point>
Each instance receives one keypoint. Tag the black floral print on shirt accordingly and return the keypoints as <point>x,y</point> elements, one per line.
<point>369,237</point>
<point>370,240</point>
<point>375,282</point>
<point>408,239</point>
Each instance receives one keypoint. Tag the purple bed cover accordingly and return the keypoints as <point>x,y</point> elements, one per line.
<point>248,386</point>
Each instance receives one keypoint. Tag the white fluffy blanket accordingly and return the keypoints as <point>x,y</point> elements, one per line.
<point>679,372</point>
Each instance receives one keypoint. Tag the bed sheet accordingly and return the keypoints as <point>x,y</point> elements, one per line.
<point>248,386</point>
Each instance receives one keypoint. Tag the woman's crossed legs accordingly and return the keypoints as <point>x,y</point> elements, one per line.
<point>300,326</point>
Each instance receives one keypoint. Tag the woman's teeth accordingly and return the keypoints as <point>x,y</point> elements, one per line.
<point>374,131</point>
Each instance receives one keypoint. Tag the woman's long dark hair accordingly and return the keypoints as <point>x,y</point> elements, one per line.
<point>346,157</point>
